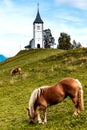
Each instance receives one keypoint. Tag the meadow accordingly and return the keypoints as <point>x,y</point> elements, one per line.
<point>41,67</point>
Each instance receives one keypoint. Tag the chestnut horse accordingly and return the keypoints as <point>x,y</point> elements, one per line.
<point>15,71</point>
<point>46,96</point>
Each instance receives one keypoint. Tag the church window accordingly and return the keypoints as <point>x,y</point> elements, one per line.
<point>38,27</point>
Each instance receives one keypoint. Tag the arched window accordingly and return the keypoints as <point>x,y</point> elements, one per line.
<point>38,27</point>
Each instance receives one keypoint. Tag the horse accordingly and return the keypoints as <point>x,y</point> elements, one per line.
<point>45,96</point>
<point>15,71</point>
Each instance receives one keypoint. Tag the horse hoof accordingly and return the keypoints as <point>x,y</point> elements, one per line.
<point>41,122</point>
<point>75,114</point>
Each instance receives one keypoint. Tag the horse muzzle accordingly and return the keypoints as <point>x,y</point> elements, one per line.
<point>31,122</point>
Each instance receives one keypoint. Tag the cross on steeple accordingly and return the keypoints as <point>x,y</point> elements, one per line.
<point>38,6</point>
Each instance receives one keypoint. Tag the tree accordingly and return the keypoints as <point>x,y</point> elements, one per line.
<point>79,45</point>
<point>48,39</point>
<point>64,41</point>
<point>76,45</point>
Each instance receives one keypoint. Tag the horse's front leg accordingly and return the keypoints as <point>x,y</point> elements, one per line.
<point>75,113</point>
<point>39,118</point>
<point>45,116</point>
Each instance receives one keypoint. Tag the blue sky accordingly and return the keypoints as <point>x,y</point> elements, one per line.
<point>17,16</point>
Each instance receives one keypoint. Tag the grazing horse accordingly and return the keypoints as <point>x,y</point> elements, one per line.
<point>46,96</point>
<point>15,71</point>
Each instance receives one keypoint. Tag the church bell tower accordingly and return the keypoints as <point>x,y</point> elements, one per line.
<point>38,31</point>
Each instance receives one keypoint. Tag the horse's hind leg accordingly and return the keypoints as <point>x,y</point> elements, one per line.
<point>75,101</point>
<point>45,116</point>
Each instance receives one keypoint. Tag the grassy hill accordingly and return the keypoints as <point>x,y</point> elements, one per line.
<point>41,67</point>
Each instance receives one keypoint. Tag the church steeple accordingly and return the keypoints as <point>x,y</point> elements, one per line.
<point>38,18</point>
<point>37,40</point>
<point>38,31</point>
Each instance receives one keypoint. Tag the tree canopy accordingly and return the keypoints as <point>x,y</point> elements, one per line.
<point>76,45</point>
<point>64,41</point>
<point>48,38</point>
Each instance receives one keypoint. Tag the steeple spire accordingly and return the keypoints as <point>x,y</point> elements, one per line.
<point>38,6</point>
<point>38,18</point>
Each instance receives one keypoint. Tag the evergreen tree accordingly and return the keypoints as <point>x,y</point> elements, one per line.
<point>64,41</point>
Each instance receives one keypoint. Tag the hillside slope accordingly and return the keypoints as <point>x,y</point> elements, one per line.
<point>41,67</point>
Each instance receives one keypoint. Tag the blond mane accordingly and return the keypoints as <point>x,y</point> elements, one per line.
<point>33,98</point>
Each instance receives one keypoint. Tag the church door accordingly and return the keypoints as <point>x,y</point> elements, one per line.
<point>38,45</point>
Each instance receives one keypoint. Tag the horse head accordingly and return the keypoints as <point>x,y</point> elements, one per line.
<point>31,116</point>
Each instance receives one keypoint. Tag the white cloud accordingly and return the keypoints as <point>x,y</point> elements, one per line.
<point>8,2</point>
<point>16,28</point>
<point>75,31</point>
<point>76,3</point>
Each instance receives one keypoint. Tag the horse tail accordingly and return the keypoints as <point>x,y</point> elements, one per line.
<point>80,96</point>
<point>81,100</point>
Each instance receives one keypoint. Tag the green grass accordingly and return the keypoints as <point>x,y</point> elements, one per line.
<point>41,67</point>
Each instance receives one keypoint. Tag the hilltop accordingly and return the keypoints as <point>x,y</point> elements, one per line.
<point>41,67</point>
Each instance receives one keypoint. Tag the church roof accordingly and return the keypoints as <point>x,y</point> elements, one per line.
<point>38,18</point>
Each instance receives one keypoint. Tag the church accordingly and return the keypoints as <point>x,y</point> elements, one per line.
<point>39,35</point>
<point>37,40</point>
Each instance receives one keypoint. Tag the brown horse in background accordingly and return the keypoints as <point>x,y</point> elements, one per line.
<point>15,71</point>
<point>43,97</point>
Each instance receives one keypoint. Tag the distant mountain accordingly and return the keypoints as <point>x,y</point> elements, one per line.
<point>2,58</point>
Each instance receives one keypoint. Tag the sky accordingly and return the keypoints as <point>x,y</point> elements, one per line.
<point>17,16</point>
